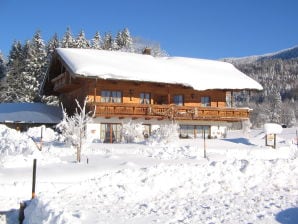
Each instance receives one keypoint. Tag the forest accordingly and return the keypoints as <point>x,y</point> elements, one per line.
<point>23,71</point>
<point>278,101</point>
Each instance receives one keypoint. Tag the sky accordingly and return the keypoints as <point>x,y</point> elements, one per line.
<point>211,29</point>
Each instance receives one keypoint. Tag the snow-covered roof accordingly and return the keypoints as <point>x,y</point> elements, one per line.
<point>30,113</point>
<point>201,74</point>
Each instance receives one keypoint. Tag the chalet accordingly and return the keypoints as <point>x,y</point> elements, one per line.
<point>195,93</point>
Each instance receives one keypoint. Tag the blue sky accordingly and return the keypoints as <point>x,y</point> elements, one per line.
<point>192,28</point>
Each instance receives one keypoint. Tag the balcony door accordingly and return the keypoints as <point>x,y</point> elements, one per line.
<point>160,99</point>
<point>110,133</point>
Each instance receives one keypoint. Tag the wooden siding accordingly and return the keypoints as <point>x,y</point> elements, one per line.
<point>130,105</point>
<point>131,92</point>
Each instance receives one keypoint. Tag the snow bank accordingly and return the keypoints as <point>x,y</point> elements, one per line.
<point>13,142</point>
<point>228,191</point>
<point>17,149</point>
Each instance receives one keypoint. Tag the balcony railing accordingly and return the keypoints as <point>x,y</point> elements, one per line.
<point>172,112</point>
<point>62,83</point>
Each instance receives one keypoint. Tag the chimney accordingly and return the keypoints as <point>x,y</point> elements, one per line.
<point>147,51</point>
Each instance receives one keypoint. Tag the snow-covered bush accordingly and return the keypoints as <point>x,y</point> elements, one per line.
<point>132,131</point>
<point>165,133</point>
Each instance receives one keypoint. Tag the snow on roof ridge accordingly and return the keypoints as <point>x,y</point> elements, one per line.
<point>201,74</point>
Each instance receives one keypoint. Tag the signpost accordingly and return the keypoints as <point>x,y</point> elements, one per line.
<point>271,130</point>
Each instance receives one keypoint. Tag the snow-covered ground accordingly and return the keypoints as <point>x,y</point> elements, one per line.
<point>241,181</point>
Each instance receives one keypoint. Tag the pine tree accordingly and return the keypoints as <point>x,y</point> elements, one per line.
<point>67,41</point>
<point>96,41</point>
<point>108,42</point>
<point>81,41</point>
<point>52,45</point>
<point>26,71</point>
<point>10,88</point>
<point>35,69</point>
<point>118,42</point>
<point>276,107</point>
<point>2,66</point>
<point>126,40</point>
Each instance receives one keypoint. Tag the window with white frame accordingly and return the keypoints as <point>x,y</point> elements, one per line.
<point>111,96</point>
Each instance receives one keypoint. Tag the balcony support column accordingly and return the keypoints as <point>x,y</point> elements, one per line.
<point>169,94</point>
<point>95,90</point>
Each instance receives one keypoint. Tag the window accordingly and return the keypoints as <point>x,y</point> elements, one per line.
<point>200,129</point>
<point>205,101</point>
<point>228,99</point>
<point>186,131</point>
<point>194,131</point>
<point>178,100</point>
<point>145,98</point>
<point>110,133</point>
<point>111,96</point>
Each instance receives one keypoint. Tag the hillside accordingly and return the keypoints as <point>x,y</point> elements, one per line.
<point>278,74</point>
<point>285,54</point>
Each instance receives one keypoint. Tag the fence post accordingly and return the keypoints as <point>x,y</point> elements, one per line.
<point>205,156</point>
<point>34,178</point>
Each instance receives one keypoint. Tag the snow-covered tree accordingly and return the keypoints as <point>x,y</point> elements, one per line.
<point>126,39</point>
<point>275,107</point>
<point>132,131</point>
<point>67,40</point>
<point>35,68</point>
<point>108,42</point>
<point>52,45</point>
<point>81,41</point>
<point>96,41</point>
<point>11,88</point>
<point>73,127</point>
<point>2,66</point>
<point>123,40</point>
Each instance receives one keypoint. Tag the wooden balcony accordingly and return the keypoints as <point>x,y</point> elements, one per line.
<point>63,83</point>
<point>172,112</point>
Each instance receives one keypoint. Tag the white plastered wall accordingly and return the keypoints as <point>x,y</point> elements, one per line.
<point>217,129</point>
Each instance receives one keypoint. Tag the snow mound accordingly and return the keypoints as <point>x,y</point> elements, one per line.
<point>47,134</point>
<point>13,143</point>
<point>272,128</point>
<point>17,149</point>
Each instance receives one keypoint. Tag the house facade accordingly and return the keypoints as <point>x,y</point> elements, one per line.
<point>121,86</point>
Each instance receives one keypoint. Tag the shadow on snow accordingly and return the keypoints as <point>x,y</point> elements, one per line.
<point>10,216</point>
<point>288,216</point>
<point>243,141</point>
